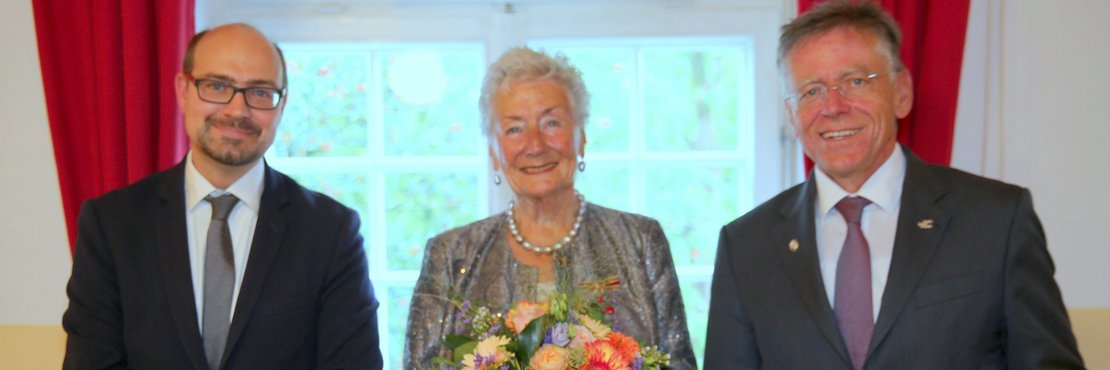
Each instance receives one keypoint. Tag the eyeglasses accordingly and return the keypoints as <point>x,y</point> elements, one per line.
<point>851,86</point>
<point>222,92</point>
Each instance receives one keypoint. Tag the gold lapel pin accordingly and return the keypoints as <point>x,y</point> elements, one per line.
<point>925,224</point>
<point>793,245</point>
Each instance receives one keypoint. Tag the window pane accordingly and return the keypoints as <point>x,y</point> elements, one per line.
<point>421,205</point>
<point>706,117</point>
<point>349,188</point>
<point>610,77</point>
<point>695,295</point>
<point>431,101</point>
<point>397,301</point>
<point>606,184</point>
<point>692,202</point>
<point>327,107</point>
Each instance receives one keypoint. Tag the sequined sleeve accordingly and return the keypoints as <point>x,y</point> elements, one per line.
<point>429,310</point>
<point>674,335</point>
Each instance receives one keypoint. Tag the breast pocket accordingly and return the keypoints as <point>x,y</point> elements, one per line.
<point>949,289</point>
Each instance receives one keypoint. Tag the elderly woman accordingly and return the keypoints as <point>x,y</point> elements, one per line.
<point>534,107</point>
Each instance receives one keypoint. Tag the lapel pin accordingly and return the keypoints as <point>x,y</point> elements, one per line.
<point>793,245</point>
<point>925,224</point>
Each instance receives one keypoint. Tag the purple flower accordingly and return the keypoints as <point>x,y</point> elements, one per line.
<point>483,361</point>
<point>558,335</point>
<point>638,363</point>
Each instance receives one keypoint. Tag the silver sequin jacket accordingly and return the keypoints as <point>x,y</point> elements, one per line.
<point>474,261</point>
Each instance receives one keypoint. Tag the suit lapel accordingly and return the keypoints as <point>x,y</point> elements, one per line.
<point>173,254</point>
<point>268,235</point>
<point>921,226</point>
<point>803,265</point>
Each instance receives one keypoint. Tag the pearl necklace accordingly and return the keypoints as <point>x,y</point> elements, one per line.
<point>557,246</point>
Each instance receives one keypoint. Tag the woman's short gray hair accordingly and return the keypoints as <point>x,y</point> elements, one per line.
<point>524,64</point>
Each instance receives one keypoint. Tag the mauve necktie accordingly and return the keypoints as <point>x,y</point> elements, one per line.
<point>853,283</point>
<point>219,280</point>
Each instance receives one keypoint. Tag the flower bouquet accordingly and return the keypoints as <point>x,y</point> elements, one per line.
<point>569,331</point>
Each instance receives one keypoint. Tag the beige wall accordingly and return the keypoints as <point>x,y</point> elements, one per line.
<point>32,347</point>
<point>1092,330</point>
<point>1040,122</point>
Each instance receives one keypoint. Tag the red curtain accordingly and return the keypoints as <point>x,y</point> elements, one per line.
<point>933,34</point>
<point>107,71</point>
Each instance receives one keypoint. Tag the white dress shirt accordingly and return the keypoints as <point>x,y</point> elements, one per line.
<point>241,223</point>
<point>879,223</point>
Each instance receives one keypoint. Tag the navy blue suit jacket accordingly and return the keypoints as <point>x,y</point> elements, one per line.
<point>970,284</point>
<point>306,300</point>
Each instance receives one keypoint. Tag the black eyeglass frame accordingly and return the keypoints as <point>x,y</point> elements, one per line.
<point>235,91</point>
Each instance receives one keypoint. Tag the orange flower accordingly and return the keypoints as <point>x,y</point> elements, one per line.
<point>624,344</point>
<point>549,357</point>
<point>602,355</point>
<point>524,312</point>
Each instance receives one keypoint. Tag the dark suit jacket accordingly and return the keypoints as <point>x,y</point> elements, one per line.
<point>305,302</point>
<point>970,284</point>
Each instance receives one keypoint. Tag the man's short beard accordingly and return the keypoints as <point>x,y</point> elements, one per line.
<point>231,156</point>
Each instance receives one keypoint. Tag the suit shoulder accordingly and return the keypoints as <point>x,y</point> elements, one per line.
<point>142,191</point>
<point>964,184</point>
<point>312,201</point>
<point>763,215</point>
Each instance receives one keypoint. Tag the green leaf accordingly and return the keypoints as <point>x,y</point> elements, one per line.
<point>442,363</point>
<point>454,341</point>
<point>464,349</point>
<point>531,337</point>
<point>595,312</point>
<point>518,350</point>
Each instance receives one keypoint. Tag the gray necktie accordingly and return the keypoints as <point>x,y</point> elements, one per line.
<point>853,283</point>
<point>219,280</point>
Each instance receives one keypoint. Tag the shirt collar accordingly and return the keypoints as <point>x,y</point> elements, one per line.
<point>247,188</point>
<point>883,188</point>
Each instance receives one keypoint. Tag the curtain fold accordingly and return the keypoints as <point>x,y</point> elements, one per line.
<point>107,71</point>
<point>933,34</point>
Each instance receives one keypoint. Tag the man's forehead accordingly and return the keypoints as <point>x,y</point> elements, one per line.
<point>237,41</point>
<point>237,58</point>
<point>837,52</point>
<point>238,75</point>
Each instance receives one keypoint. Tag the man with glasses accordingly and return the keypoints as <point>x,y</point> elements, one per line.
<point>222,262</point>
<point>879,260</point>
